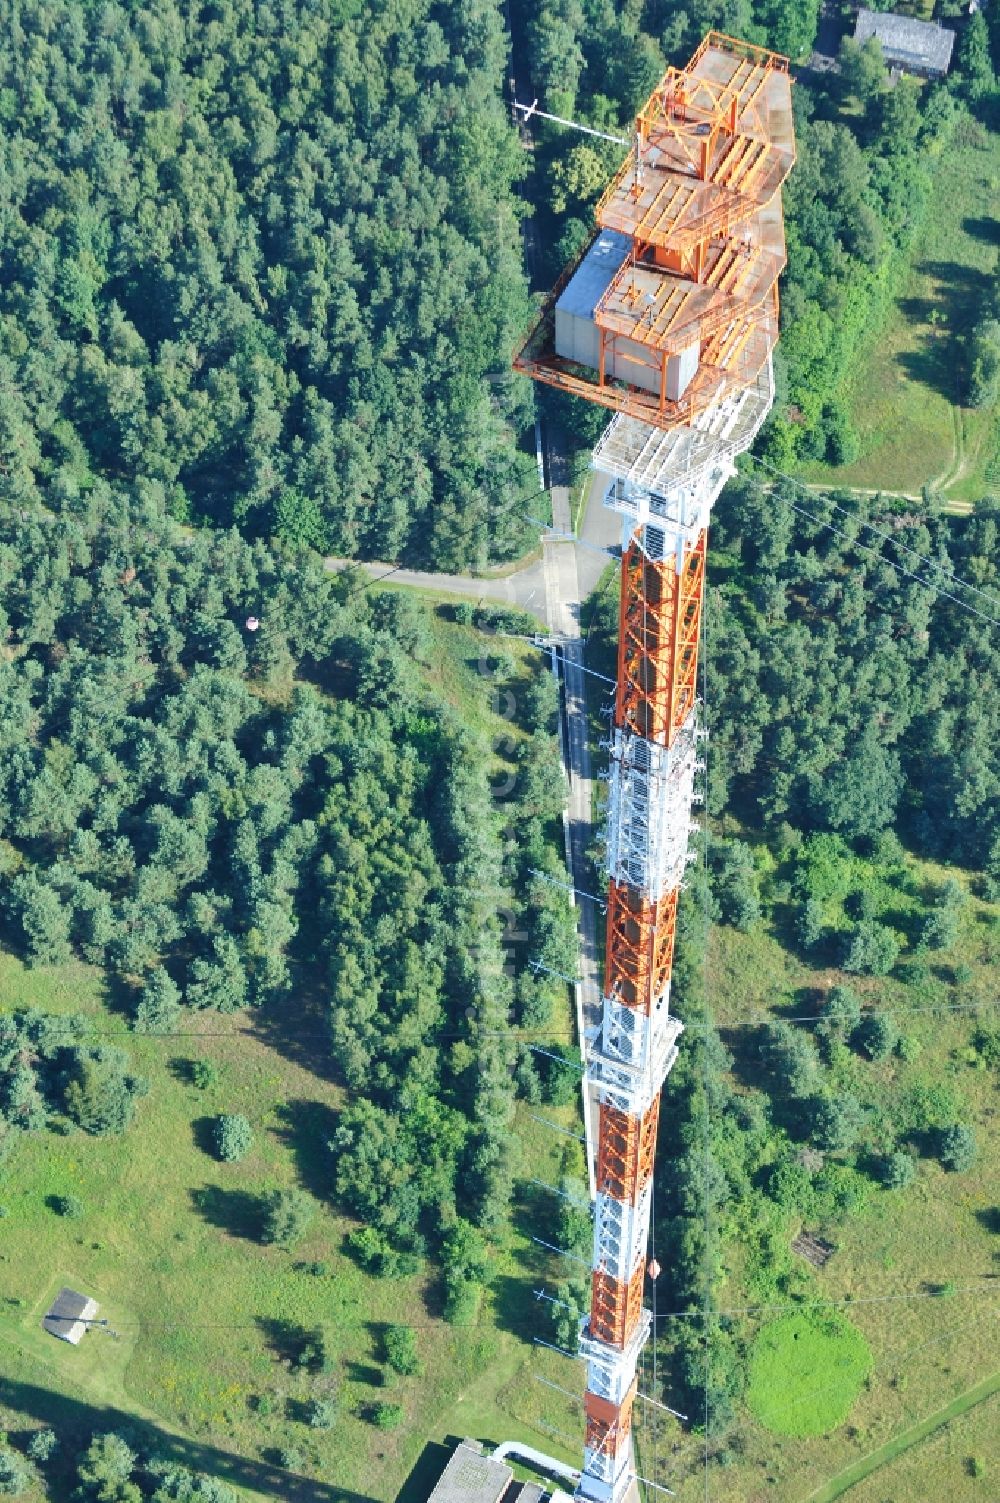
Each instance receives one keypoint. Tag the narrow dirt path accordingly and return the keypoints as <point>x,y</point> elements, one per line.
<point>837,1486</point>
<point>955,467</point>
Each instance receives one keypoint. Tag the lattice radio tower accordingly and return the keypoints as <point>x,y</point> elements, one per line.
<point>669,318</point>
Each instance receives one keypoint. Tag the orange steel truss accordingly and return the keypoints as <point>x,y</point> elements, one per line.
<point>640,946</point>
<point>659,624</point>
<point>735,367</point>
<point>615,1309</point>
<point>625,1149</point>
<point>608,1425</point>
<point>714,143</point>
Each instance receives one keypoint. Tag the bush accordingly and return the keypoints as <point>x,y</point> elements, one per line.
<point>541,703</point>
<point>159,1005</point>
<point>232,1136</point>
<point>842,442</point>
<point>791,1058</point>
<point>316,1353</point>
<point>373,1251</point>
<point>840,1013</point>
<point>877,1035</point>
<point>939,929</point>
<point>462,1301</point>
<point>837,1121</point>
<point>203,1074</point>
<point>559,1078</point>
<point>809,923</point>
<point>68,1206</point>
<point>321,1413</point>
<point>735,883</point>
<point>42,1444</point>
<point>386,1416</point>
<point>291,1459</point>
<point>986,1042</point>
<point>405,619</point>
<point>957,1147</point>
<point>401,1351</point>
<point>464,1253</point>
<point>100,1095</point>
<point>286,1216</point>
<point>175,1484</point>
<point>15,1474</point>
<point>897,1170</point>
<point>871,950</point>
<point>571,1303</point>
<point>106,1470</point>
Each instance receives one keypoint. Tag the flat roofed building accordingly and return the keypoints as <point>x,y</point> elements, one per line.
<point>576,332</point>
<point>922,47</point>
<point>67,1317</point>
<point>471,1477</point>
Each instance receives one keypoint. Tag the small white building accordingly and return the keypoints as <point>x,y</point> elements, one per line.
<point>67,1319</point>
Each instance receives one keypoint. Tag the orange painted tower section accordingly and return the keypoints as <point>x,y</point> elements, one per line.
<point>669,319</point>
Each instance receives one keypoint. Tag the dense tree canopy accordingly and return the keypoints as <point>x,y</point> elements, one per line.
<point>854,695</point>
<point>265,260</point>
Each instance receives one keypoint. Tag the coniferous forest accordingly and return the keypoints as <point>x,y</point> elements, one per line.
<point>263,262</point>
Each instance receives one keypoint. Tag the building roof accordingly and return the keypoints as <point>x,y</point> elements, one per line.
<point>471,1477</point>
<point>911,44</point>
<point>67,1315</point>
<point>594,274</point>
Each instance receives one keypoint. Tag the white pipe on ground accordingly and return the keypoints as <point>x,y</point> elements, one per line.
<point>537,1459</point>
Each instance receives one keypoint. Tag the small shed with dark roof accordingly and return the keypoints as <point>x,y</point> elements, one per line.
<point>68,1316</point>
<point>922,47</point>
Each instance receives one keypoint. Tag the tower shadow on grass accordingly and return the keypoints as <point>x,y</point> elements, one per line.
<point>514,1295</point>
<point>76,1422</point>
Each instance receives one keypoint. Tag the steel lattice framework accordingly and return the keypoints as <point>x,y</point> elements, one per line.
<point>669,318</point>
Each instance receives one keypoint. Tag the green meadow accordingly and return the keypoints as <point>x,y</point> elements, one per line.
<point>906,390</point>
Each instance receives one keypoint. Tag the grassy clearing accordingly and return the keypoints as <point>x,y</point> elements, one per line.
<point>205,1316</point>
<point>805,1373</point>
<point>906,393</point>
<point>52,990</point>
<point>957,1448</point>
